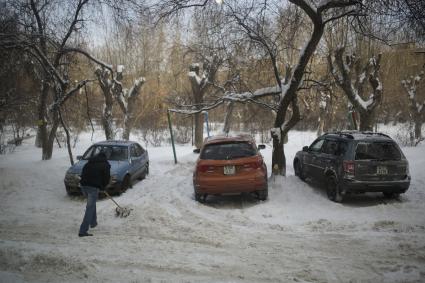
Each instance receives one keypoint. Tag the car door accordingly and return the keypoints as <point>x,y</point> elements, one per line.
<point>310,158</point>
<point>144,158</point>
<point>328,158</point>
<point>138,160</point>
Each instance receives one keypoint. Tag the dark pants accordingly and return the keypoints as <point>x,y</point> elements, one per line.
<point>90,217</point>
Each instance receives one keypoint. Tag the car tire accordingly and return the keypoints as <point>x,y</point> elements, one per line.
<point>263,194</point>
<point>126,183</point>
<point>146,172</point>
<point>332,189</point>
<point>71,192</point>
<point>199,197</point>
<point>298,170</point>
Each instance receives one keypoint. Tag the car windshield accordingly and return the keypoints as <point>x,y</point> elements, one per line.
<point>112,152</point>
<point>227,151</point>
<point>377,151</point>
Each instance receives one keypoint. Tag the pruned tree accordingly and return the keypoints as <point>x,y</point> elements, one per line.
<point>416,108</point>
<point>324,109</point>
<point>126,99</point>
<point>201,81</point>
<point>353,79</point>
<point>106,81</point>
<point>111,85</point>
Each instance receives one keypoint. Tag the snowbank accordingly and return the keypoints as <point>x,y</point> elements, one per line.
<point>296,235</point>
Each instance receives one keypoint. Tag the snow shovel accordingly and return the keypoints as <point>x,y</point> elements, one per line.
<point>119,211</point>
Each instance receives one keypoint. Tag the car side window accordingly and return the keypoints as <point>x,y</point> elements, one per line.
<point>330,147</point>
<point>136,150</point>
<point>140,149</point>
<point>316,146</point>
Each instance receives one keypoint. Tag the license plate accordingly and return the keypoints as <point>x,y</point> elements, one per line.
<point>381,170</point>
<point>229,170</point>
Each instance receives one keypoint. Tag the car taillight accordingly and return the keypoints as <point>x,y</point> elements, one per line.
<point>205,168</point>
<point>349,167</point>
<point>254,165</point>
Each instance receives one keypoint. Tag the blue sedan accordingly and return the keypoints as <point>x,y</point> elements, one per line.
<point>129,161</point>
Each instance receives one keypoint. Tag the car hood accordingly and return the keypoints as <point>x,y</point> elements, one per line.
<point>116,166</point>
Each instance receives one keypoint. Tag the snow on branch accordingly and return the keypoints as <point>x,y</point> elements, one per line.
<point>61,100</point>
<point>344,74</point>
<point>87,55</point>
<point>230,96</point>
<point>138,83</point>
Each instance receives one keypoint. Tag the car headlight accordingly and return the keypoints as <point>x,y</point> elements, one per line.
<point>114,179</point>
<point>72,177</point>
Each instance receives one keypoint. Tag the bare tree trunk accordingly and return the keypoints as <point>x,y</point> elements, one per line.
<point>41,139</point>
<point>416,108</point>
<point>418,131</point>
<point>228,117</point>
<point>107,119</point>
<point>128,120</point>
<point>278,155</point>
<point>366,121</point>
<point>48,146</point>
<point>68,139</point>
<point>199,130</point>
<point>127,102</point>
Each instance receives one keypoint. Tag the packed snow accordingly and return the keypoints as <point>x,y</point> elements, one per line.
<point>297,235</point>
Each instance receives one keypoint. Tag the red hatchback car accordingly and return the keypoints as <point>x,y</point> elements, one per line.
<point>230,165</point>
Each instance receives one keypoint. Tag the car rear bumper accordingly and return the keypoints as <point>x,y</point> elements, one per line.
<point>231,186</point>
<point>353,186</point>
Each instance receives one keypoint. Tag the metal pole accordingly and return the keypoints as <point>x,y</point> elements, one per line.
<point>206,121</point>
<point>192,128</point>
<point>172,137</point>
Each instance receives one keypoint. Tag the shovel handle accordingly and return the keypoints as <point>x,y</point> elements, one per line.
<point>106,193</point>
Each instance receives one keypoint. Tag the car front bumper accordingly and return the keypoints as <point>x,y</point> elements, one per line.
<point>74,188</point>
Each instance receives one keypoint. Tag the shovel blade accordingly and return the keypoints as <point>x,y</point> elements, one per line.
<point>122,212</point>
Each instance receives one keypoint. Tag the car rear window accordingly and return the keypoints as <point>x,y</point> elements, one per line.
<point>227,151</point>
<point>377,151</point>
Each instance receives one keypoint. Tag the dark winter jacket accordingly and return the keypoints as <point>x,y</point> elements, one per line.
<point>96,172</point>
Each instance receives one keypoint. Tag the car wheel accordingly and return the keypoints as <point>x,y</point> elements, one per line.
<point>391,195</point>
<point>146,172</point>
<point>332,189</point>
<point>298,170</point>
<point>199,197</point>
<point>263,194</point>
<point>126,183</point>
<point>71,192</point>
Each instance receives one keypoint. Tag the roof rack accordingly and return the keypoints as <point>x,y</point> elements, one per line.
<point>351,134</point>
<point>347,134</point>
<point>369,133</point>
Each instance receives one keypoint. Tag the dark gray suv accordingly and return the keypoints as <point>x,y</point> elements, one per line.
<point>354,162</point>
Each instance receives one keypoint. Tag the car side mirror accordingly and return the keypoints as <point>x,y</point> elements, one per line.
<point>197,150</point>
<point>79,157</point>
<point>305,148</point>
<point>261,146</point>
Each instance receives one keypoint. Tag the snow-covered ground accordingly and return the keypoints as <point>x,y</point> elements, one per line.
<point>297,235</point>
